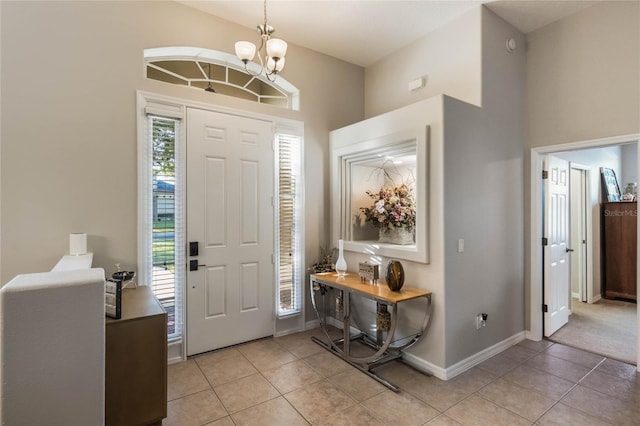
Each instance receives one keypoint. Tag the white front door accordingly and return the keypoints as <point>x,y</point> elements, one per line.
<point>230,214</point>
<point>556,252</point>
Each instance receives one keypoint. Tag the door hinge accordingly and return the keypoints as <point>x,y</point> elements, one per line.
<point>545,174</point>
<point>545,308</point>
<point>545,241</point>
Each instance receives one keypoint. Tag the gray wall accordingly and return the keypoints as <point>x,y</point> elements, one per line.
<point>70,71</point>
<point>449,58</point>
<point>582,83</point>
<point>483,200</point>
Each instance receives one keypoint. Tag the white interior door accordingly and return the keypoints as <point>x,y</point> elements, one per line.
<point>556,252</point>
<point>230,214</point>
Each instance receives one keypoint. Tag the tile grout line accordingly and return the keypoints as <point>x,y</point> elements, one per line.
<point>572,388</point>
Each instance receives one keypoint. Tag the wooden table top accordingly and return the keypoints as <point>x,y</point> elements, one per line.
<point>379,291</point>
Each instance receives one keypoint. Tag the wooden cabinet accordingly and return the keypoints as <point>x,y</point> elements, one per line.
<point>619,260</point>
<point>136,361</point>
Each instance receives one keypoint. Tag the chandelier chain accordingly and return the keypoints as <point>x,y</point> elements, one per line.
<point>265,13</point>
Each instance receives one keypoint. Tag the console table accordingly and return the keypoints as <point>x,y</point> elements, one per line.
<point>386,344</point>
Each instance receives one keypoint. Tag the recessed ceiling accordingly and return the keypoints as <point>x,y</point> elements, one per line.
<point>363,32</point>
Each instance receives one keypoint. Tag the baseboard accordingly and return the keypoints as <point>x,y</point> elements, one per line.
<point>174,352</point>
<point>596,298</point>
<point>310,325</point>
<point>483,355</point>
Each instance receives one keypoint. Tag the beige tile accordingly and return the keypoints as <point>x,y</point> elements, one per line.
<point>399,373</point>
<point>292,376</point>
<point>352,416</point>
<point>563,415</point>
<point>437,393</point>
<point>524,402</point>
<point>400,408</point>
<point>473,379</point>
<point>266,354</point>
<point>605,407</point>
<point>577,356</point>
<point>507,360</point>
<point>356,384</point>
<point>220,371</point>
<point>613,386</point>
<point>218,354</point>
<point>184,378</point>
<point>300,344</point>
<point>476,411</point>
<point>537,346</point>
<point>327,364</point>
<point>619,369</point>
<point>319,400</point>
<point>196,409</point>
<point>538,380</point>
<point>558,367</point>
<point>274,412</point>
<point>245,392</point>
<point>225,421</point>
<point>442,420</point>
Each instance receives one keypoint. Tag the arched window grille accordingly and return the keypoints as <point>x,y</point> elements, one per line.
<point>219,72</point>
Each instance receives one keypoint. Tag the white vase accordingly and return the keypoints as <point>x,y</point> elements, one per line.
<point>341,264</point>
<point>395,236</point>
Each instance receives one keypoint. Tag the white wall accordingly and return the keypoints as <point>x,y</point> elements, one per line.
<point>448,58</point>
<point>609,157</point>
<point>70,71</point>
<point>629,166</point>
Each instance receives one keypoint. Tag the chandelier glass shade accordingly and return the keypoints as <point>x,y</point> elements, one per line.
<point>271,52</point>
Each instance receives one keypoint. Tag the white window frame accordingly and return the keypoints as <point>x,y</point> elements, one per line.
<point>149,107</point>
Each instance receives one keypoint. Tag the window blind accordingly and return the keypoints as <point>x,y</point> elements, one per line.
<point>288,215</point>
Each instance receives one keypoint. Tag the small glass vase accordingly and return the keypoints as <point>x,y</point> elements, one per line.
<point>341,264</point>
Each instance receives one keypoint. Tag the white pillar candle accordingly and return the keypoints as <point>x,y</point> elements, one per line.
<point>77,244</point>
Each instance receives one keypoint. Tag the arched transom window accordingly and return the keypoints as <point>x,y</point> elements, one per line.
<point>219,72</point>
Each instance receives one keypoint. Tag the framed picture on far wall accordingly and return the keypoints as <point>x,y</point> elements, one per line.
<point>610,188</point>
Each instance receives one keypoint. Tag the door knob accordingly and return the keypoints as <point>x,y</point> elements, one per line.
<point>193,265</point>
<point>569,250</point>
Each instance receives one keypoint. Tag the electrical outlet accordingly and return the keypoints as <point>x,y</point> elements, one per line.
<point>481,321</point>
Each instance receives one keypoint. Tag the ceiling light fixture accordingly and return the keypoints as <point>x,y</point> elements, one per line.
<point>209,88</point>
<point>270,53</point>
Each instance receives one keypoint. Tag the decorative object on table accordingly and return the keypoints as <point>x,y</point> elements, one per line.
<point>326,262</point>
<point>127,278</point>
<point>77,244</point>
<point>383,318</point>
<point>341,264</point>
<point>630,192</point>
<point>395,275</point>
<point>394,213</point>
<point>113,298</point>
<point>610,188</point>
<point>368,272</point>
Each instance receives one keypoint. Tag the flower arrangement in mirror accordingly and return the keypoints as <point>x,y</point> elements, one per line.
<point>393,212</point>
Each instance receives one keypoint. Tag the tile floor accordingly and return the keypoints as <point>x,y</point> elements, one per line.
<point>292,381</point>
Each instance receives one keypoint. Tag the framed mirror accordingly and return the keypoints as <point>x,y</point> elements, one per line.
<point>380,195</point>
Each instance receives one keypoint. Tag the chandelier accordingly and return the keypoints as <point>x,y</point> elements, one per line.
<point>270,53</point>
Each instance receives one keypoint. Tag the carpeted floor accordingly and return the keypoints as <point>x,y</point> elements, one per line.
<point>608,327</point>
